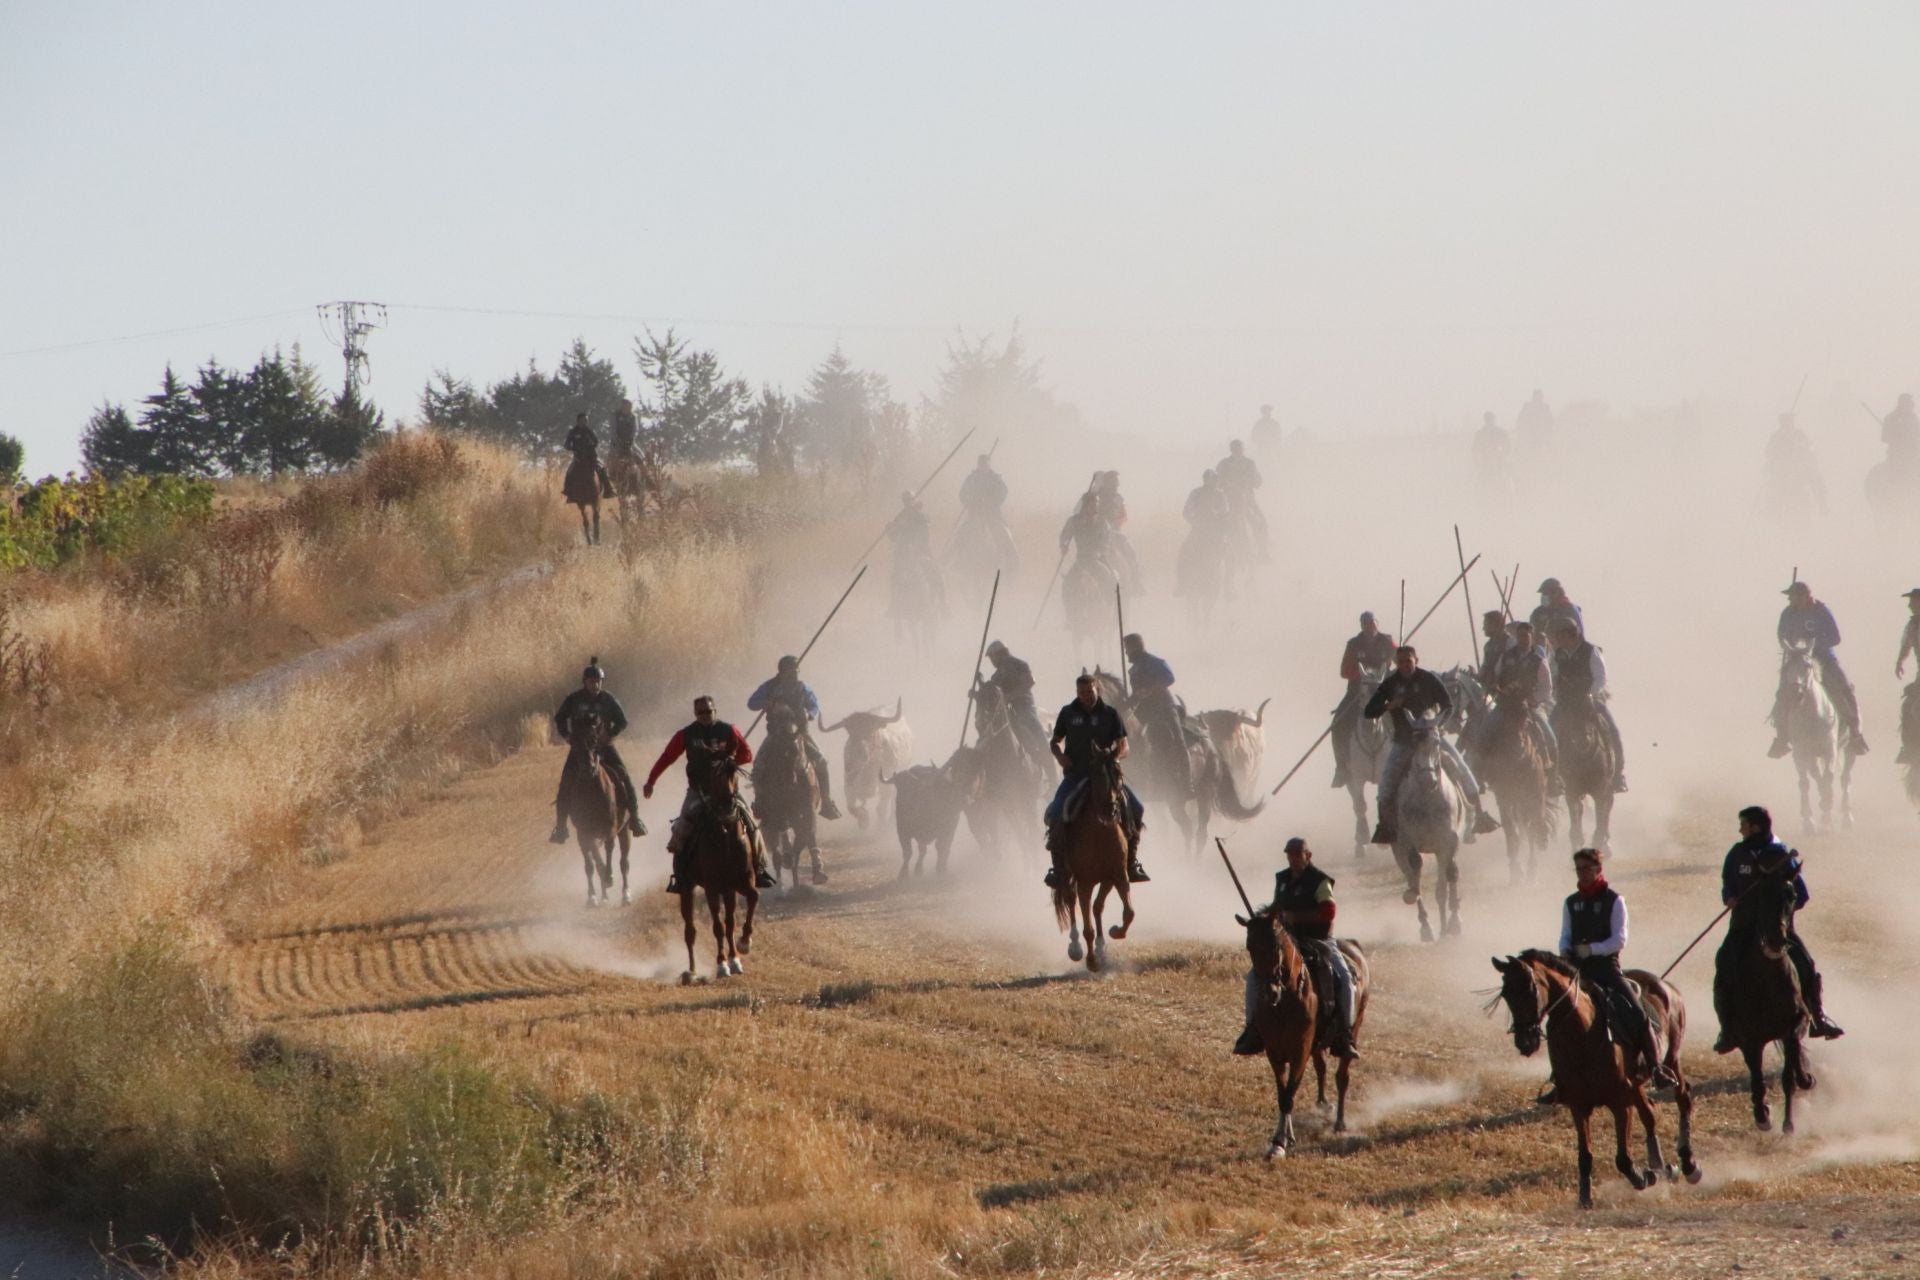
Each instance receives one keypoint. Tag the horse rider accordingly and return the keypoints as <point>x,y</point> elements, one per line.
<point>1266,429</point>
<point>908,531</point>
<point>1113,509</point>
<point>1303,900</point>
<point>1909,634</point>
<point>1087,724</point>
<point>1150,685</point>
<point>593,693</point>
<point>702,742</point>
<point>1417,701</point>
<point>625,428</point>
<point>1534,423</point>
<point>1755,857</point>
<point>1808,621</point>
<point>1370,648</point>
<point>1553,606</point>
<point>1490,446</point>
<point>1239,477</point>
<point>1793,472</point>
<point>785,689</point>
<point>983,492</point>
<point>1089,534</point>
<point>1593,933</point>
<point>584,445</point>
<point>1900,432</point>
<point>1493,626</point>
<point>1580,669</point>
<point>1209,510</point>
<point>1523,685</point>
<point>1014,679</point>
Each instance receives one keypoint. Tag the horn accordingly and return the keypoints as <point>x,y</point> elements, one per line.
<point>898,703</point>
<point>831,728</point>
<point>1260,716</point>
<point>885,781</point>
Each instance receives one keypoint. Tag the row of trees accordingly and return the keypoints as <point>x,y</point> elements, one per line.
<point>270,420</point>
<point>695,410</point>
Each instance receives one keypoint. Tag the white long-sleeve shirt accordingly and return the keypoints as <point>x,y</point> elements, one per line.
<point>1612,945</point>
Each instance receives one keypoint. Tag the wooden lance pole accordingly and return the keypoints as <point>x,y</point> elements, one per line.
<point>861,558</point>
<point>1246,901</point>
<point>1120,617</point>
<point>1061,563</point>
<point>1473,628</point>
<point>979,657</point>
<point>761,714</point>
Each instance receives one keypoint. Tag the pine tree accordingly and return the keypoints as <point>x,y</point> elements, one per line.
<point>697,412</point>
<point>13,456</point>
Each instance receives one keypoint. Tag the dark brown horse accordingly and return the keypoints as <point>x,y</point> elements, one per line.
<point>1760,1002</point>
<point>582,488</point>
<point>1513,765</point>
<point>1590,1068</point>
<point>786,797</point>
<point>590,800</point>
<point>719,862</point>
<point>1000,807</point>
<point>1178,768</point>
<point>1093,861</point>
<point>1587,769</point>
<point>1289,1023</point>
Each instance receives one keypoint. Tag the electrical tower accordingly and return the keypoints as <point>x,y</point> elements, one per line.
<point>356,320</point>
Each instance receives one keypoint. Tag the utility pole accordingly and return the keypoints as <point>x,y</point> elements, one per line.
<point>355,320</point>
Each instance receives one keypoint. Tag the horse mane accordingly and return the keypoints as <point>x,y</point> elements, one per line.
<point>1551,960</point>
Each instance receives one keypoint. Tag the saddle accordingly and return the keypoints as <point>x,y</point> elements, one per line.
<point>1611,1005</point>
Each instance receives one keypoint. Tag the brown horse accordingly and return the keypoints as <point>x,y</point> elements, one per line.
<point>1589,1068</point>
<point>1288,1020</point>
<point>590,800</point>
<point>786,797</point>
<point>627,484</point>
<point>719,861</point>
<point>1758,994</point>
<point>1513,765</point>
<point>583,488</point>
<point>1093,861</point>
<point>1587,768</point>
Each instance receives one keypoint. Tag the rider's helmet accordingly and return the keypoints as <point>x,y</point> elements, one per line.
<point>1132,642</point>
<point>593,670</point>
<point>789,665</point>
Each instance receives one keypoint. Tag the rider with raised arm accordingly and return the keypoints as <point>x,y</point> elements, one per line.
<point>593,693</point>
<point>1416,702</point>
<point>1303,900</point>
<point>1084,726</point>
<point>1014,679</point>
<point>707,739</point>
<point>1807,621</point>
<point>787,691</point>
<point>1370,649</point>
<point>1755,857</point>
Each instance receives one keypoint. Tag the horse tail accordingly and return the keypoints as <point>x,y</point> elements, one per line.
<point>1226,797</point>
<point>1063,902</point>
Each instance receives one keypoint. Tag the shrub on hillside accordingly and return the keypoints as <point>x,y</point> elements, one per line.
<point>56,520</point>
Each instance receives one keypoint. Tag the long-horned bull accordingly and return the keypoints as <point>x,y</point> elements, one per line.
<point>876,744</point>
<point>1241,741</point>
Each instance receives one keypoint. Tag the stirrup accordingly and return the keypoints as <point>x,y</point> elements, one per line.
<point>761,880</point>
<point>1382,834</point>
<point>1825,1028</point>
<point>673,884</point>
<point>828,809</point>
<point>1778,749</point>
<point>1136,874</point>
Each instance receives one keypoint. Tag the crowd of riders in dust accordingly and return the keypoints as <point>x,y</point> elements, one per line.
<point>1527,726</point>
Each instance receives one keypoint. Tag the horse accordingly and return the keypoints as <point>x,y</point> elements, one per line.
<point>719,862</point>
<point>1587,768</point>
<point>876,745</point>
<point>582,488</point>
<point>627,482</point>
<point>1760,1000</point>
<point>1590,1069</point>
<point>918,601</point>
<point>1093,863</point>
<point>1431,815</point>
<point>1007,783</point>
<point>1200,572</point>
<point>1189,778</point>
<point>1813,733</point>
<point>786,797</point>
<point>1289,1023</point>
<point>1513,764</point>
<point>1910,739</point>
<point>1086,595</point>
<point>1367,749</point>
<point>590,800</point>
<point>981,545</point>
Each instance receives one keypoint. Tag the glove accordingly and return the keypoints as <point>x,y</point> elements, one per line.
<point>1582,950</point>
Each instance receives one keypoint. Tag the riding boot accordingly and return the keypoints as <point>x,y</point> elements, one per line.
<point>1823,1027</point>
<point>1383,832</point>
<point>1484,823</point>
<point>828,809</point>
<point>1722,997</point>
<point>1779,747</point>
<point>1550,1096</point>
<point>559,835</point>
<point>1136,874</point>
<point>676,878</point>
<point>1054,872</point>
<point>762,877</point>
<point>1249,1044</point>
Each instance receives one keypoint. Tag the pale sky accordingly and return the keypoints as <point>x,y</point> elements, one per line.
<point>1373,215</point>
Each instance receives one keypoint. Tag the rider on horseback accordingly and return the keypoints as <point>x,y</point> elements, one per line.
<point>1112,508</point>
<point>704,741</point>
<point>592,693</point>
<point>1417,701</point>
<point>1522,685</point>
<point>1014,679</point>
<point>584,445</point>
<point>1593,933</point>
<point>1239,477</point>
<point>1209,510</point>
<point>983,492</point>
<point>1151,682</point>
<point>1900,432</point>
<point>624,430</point>
<point>1808,621</point>
<point>1579,671</point>
<point>1303,899</point>
<point>1554,607</point>
<point>1089,534</point>
<point>1757,857</point>
<point>1371,648</point>
<point>1087,724</point>
<point>787,690</point>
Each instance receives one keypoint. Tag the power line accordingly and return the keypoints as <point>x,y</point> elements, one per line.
<point>157,333</point>
<point>356,320</point>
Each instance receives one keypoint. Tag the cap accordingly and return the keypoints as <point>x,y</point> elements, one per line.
<point>996,647</point>
<point>789,663</point>
<point>1911,594</point>
<point>1795,588</point>
<point>1551,584</point>
<point>1297,845</point>
<point>593,669</point>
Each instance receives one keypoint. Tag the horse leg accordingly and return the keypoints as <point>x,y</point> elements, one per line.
<point>586,532</point>
<point>1450,894</point>
<point>1583,1127</point>
<point>1410,868</point>
<point>1099,920</point>
<point>1340,1077</point>
<point>1757,1085</point>
<point>1846,791</point>
<point>1790,1071</point>
<point>1806,800</point>
<point>719,934</point>
<point>1357,790</point>
<point>1514,837</point>
<point>1603,818</point>
<point>752,896</point>
<point>1622,1126</point>
<point>733,948</point>
<point>1656,1161</point>
<point>1119,931</point>
<point>587,861</point>
<point>1089,931</point>
<point>626,848</point>
<point>686,918</point>
<point>1319,1077</point>
<point>1075,951</point>
<point>1577,819</point>
<point>596,524</point>
<point>1683,1102</point>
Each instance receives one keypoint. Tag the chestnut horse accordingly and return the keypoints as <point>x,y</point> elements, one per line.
<point>720,862</point>
<point>1760,1000</point>
<point>591,802</point>
<point>1289,1024</point>
<point>1589,1068</point>
<point>1093,862</point>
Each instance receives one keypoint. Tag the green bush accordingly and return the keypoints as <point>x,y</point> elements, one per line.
<point>55,520</point>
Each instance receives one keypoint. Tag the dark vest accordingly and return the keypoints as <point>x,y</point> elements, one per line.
<point>1573,673</point>
<point>1295,896</point>
<point>705,742</point>
<point>1592,917</point>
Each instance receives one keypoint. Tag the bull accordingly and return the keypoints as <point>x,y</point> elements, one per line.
<point>1241,741</point>
<point>877,745</point>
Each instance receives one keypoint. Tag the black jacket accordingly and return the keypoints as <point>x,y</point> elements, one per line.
<point>605,703</point>
<point>1422,694</point>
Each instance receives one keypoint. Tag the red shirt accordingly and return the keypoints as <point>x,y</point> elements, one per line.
<point>677,746</point>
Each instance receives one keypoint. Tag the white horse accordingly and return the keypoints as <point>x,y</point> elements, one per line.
<point>1366,761</point>
<point>1432,816</point>
<point>1813,732</point>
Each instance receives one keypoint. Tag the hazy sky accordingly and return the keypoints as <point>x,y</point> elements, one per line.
<point>1373,215</point>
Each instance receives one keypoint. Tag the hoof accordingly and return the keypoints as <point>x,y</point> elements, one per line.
<point>1276,1152</point>
<point>591,900</point>
<point>1410,897</point>
<point>746,946</point>
<point>1787,1127</point>
<point>686,979</point>
<point>1586,1202</point>
<point>1694,1175</point>
<point>735,967</point>
<point>720,972</point>
<point>626,899</point>
<point>1339,1126</point>
<point>1113,931</point>
<point>1763,1124</point>
<point>1426,934</point>
<point>1452,928</point>
<point>1075,951</point>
